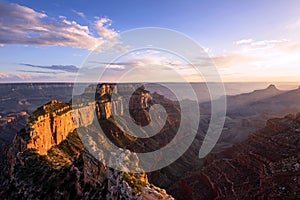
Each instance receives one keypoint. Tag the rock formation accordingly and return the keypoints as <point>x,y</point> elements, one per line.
<point>48,160</point>
<point>50,125</point>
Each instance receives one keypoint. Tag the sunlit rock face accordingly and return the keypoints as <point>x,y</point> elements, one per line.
<point>50,124</point>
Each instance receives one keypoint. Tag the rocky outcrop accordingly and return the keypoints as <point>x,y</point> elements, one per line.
<point>109,102</point>
<point>265,166</point>
<point>48,160</point>
<point>50,125</point>
<point>133,186</point>
<point>70,172</point>
<point>66,172</point>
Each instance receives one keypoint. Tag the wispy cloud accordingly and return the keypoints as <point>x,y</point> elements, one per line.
<point>39,72</point>
<point>14,77</point>
<point>244,41</point>
<point>25,26</point>
<point>116,67</point>
<point>66,68</point>
<point>80,14</point>
<point>261,44</point>
<point>281,45</point>
<point>38,77</point>
<point>142,61</point>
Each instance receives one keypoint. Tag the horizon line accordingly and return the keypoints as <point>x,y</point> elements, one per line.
<point>73,82</point>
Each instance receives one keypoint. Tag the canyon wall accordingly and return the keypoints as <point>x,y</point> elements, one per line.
<point>265,166</point>
<point>51,128</point>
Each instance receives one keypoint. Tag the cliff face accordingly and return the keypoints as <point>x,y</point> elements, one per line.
<point>51,124</point>
<point>109,102</point>
<point>265,166</point>
<point>48,160</point>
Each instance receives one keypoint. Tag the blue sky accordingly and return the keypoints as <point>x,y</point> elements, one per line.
<point>248,40</point>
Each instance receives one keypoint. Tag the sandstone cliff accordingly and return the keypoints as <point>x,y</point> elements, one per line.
<point>50,125</point>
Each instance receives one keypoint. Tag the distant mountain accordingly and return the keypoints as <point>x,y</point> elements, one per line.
<point>256,95</point>
<point>249,111</point>
<point>260,102</point>
<point>289,97</point>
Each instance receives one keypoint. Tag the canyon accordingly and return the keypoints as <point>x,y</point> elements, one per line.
<point>265,166</point>
<point>48,157</point>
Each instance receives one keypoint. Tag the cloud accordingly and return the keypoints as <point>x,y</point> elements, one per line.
<point>13,77</point>
<point>144,61</point>
<point>251,52</point>
<point>102,26</point>
<point>206,49</point>
<point>39,72</point>
<point>80,14</point>
<point>271,46</point>
<point>25,26</point>
<point>66,68</point>
<point>3,75</point>
<point>259,60</point>
<point>115,66</point>
<point>244,41</point>
<point>251,44</point>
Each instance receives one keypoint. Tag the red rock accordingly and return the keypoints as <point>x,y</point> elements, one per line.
<point>265,166</point>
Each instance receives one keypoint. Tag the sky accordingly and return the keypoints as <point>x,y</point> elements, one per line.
<point>247,41</point>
